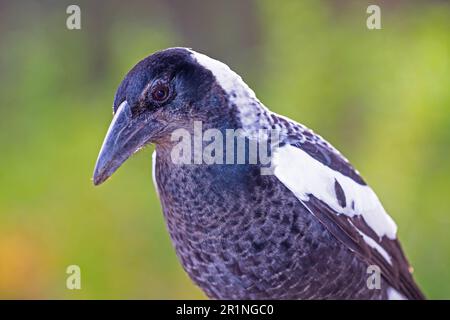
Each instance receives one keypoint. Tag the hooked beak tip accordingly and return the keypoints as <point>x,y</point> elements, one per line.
<point>98,178</point>
<point>101,173</point>
<point>97,181</point>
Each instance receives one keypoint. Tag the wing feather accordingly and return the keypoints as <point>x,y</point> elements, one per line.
<point>310,168</point>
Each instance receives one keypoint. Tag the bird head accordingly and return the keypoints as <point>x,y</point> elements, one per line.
<point>166,91</point>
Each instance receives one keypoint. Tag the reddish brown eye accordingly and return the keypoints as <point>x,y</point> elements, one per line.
<point>160,92</point>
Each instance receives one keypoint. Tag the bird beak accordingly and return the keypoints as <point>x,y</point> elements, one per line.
<point>125,136</point>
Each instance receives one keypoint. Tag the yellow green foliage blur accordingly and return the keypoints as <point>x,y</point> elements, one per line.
<point>382,97</point>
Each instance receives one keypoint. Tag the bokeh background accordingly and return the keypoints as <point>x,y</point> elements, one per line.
<point>382,97</point>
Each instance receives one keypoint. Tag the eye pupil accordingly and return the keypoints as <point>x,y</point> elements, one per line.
<point>160,93</point>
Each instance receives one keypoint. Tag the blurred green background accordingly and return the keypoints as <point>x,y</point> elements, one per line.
<point>382,97</point>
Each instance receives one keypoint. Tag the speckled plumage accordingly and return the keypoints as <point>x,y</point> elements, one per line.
<point>250,239</point>
<point>237,233</point>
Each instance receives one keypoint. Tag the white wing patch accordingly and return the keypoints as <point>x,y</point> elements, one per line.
<point>372,243</point>
<point>304,176</point>
<point>394,294</point>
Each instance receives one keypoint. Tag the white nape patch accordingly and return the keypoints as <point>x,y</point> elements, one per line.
<point>304,176</point>
<point>394,294</point>
<point>239,93</point>
<point>227,78</point>
<point>154,172</point>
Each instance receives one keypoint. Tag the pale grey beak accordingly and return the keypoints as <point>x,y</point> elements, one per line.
<point>125,136</point>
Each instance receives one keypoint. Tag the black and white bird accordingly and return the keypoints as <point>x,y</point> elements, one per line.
<point>310,230</point>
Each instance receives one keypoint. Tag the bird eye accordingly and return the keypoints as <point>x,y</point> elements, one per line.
<point>160,92</point>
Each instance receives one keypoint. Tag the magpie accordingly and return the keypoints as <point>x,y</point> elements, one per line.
<point>311,229</point>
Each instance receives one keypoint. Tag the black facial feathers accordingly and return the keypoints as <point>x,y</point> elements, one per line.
<point>175,64</point>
